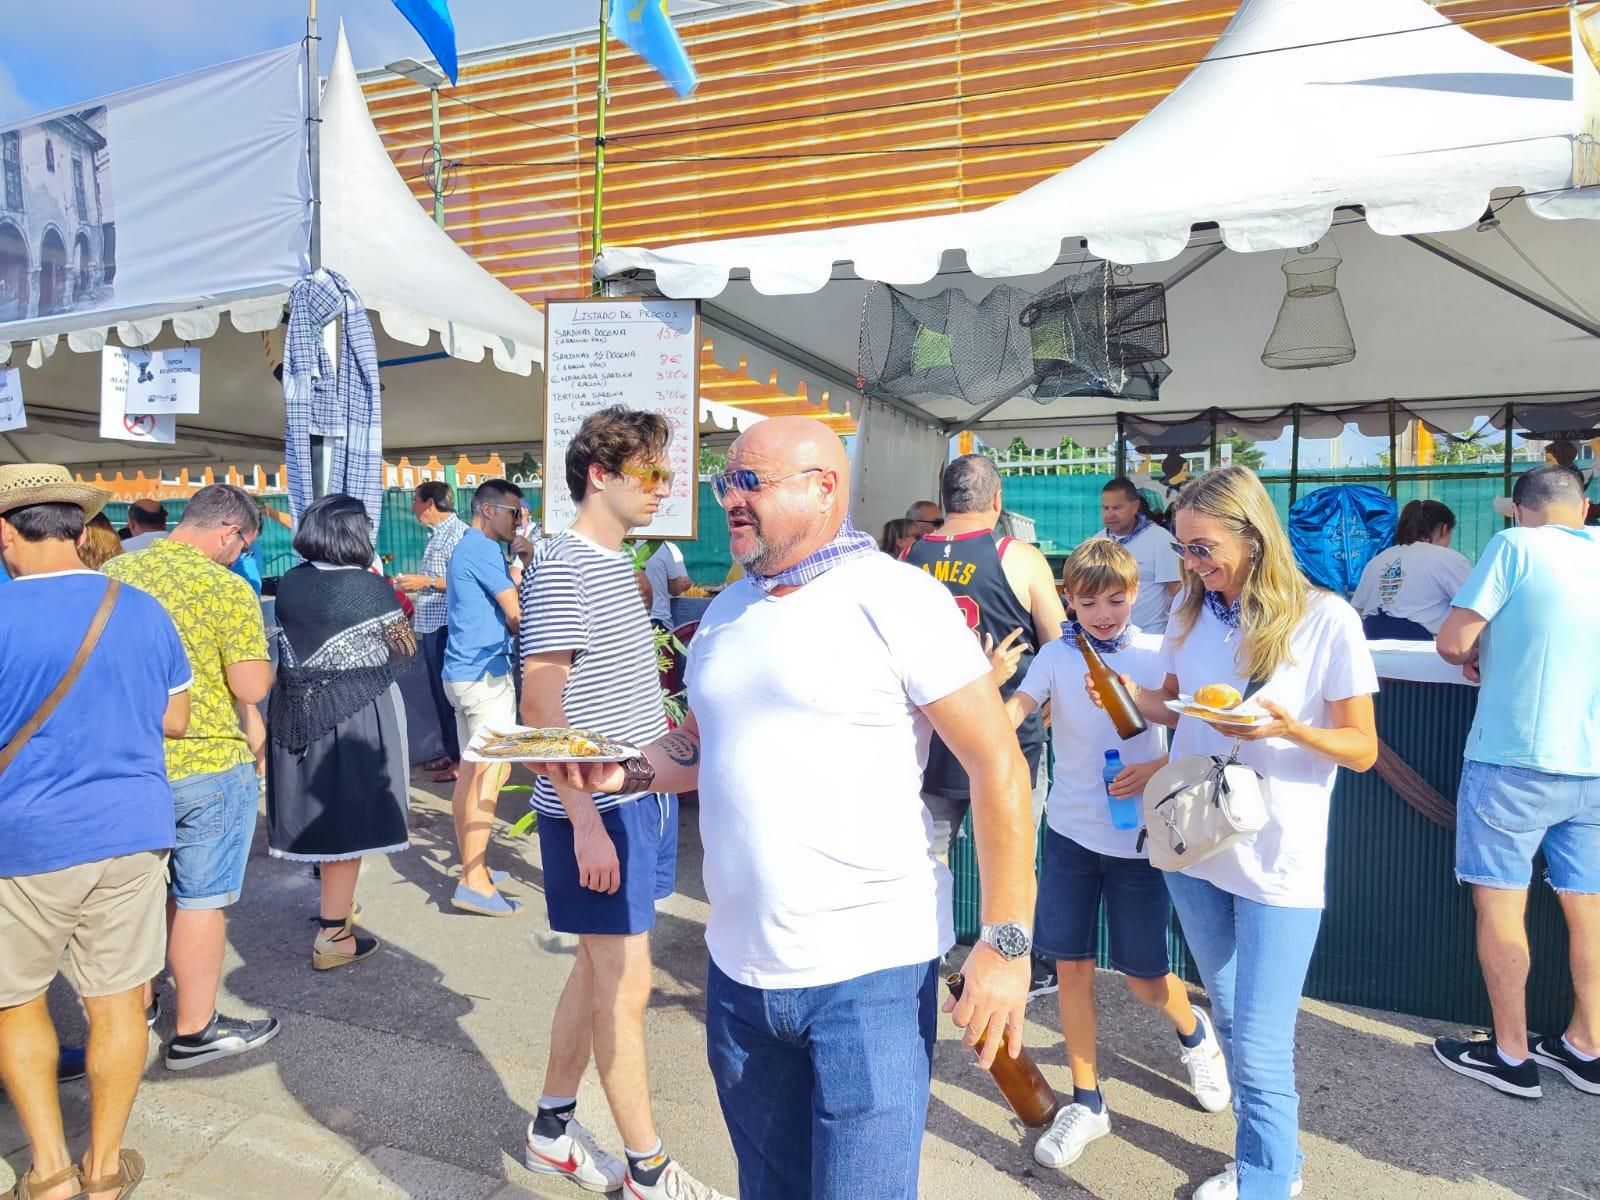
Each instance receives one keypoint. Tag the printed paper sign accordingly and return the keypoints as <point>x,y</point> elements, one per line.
<point>12,415</point>
<point>116,422</point>
<point>157,382</point>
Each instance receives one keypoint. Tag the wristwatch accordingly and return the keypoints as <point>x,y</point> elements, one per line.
<point>1008,939</point>
<point>637,774</point>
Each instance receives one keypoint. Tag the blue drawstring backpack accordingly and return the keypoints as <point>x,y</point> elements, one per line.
<point>1336,531</point>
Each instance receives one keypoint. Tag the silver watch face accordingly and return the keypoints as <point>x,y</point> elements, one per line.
<point>1010,939</point>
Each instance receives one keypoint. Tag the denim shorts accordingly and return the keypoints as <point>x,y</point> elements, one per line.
<point>216,821</point>
<point>645,833</point>
<point>1505,815</point>
<point>1066,919</point>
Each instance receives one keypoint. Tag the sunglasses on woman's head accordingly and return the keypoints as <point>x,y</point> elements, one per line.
<point>746,480</point>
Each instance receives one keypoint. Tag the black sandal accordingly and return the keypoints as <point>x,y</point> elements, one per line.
<point>325,958</point>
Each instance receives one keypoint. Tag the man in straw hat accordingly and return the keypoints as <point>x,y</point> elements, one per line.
<point>84,838</point>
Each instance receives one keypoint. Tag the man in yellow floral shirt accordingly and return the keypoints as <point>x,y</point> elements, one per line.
<point>212,769</point>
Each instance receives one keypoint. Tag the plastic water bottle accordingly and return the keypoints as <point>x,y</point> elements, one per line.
<point>1125,810</point>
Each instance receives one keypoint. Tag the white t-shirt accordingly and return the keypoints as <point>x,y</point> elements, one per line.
<point>1158,566</point>
<point>818,858</point>
<point>1414,583</point>
<point>664,565</point>
<point>1080,735</point>
<point>1286,863</point>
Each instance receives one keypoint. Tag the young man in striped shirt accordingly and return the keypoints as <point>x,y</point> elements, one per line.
<point>588,661</point>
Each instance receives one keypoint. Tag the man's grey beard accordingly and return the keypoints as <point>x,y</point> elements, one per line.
<point>761,557</point>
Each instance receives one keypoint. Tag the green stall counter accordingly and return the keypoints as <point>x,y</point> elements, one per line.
<point>1397,934</point>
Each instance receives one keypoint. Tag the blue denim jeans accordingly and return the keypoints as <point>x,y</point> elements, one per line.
<point>825,1089</point>
<point>1253,958</point>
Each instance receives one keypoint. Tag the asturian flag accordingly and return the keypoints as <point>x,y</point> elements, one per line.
<point>646,29</point>
<point>431,19</point>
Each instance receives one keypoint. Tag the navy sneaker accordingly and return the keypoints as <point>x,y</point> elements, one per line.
<point>71,1064</point>
<point>1044,981</point>
<point>1552,1052</point>
<point>1479,1059</point>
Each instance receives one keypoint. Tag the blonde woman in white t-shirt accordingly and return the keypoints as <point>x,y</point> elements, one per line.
<point>1251,913</point>
<point>1405,592</point>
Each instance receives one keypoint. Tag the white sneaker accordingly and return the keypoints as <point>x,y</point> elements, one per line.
<point>1226,1186</point>
<point>675,1184</point>
<point>1074,1128</point>
<point>1208,1070</point>
<point>576,1155</point>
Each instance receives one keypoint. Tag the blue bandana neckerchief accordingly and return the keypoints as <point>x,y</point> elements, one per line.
<point>1139,526</point>
<point>1228,614</point>
<point>848,544</point>
<point>1071,631</point>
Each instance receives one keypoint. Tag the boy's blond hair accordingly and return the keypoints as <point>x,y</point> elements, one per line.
<point>1099,565</point>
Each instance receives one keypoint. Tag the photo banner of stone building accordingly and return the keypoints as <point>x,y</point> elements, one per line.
<point>212,197</point>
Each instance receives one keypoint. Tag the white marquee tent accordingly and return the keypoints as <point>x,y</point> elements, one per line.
<point>1376,127</point>
<point>459,349</point>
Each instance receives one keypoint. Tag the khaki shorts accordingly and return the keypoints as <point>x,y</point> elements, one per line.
<point>109,918</point>
<point>490,701</point>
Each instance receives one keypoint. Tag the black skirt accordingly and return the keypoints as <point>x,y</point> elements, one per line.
<point>345,794</point>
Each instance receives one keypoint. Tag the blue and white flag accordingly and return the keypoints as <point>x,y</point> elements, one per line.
<point>431,19</point>
<point>646,29</point>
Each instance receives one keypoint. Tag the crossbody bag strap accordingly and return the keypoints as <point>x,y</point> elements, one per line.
<point>59,692</point>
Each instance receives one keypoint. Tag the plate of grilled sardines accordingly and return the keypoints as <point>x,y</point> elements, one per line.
<point>518,743</point>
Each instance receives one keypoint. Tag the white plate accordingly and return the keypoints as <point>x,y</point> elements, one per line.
<point>473,752</point>
<point>1244,713</point>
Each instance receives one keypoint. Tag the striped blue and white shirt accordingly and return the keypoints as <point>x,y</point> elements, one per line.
<point>581,597</point>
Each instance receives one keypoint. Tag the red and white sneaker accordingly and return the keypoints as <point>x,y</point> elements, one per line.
<point>576,1155</point>
<point>675,1184</point>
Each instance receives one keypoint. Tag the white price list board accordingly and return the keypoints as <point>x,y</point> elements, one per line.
<point>634,352</point>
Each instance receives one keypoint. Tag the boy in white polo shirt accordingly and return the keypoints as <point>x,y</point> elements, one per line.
<point>1086,857</point>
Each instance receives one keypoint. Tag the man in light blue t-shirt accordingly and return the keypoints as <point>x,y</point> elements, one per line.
<point>1523,624</point>
<point>483,615</point>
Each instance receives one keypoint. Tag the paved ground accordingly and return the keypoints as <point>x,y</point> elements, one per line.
<point>412,1074</point>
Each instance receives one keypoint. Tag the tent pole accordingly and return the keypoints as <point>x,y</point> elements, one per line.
<point>1394,453</point>
<point>601,97</point>
<point>1122,445</point>
<point>1211,458</point>
<point>314,132</point>
<point>438,161</point>
<point>1294,455</point>
<point>1505,284</point>
<point>1505,456</point>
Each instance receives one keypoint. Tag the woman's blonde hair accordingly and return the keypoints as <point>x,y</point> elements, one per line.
<point>1275,593</point>
<point>100,543</point>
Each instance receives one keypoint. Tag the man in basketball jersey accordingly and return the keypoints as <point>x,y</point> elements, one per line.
<point>1000,585</point>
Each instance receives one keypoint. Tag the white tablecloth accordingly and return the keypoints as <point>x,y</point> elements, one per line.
<point>1416,662</point>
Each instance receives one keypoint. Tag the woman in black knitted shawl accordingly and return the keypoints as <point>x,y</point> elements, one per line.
<point>337,773</point>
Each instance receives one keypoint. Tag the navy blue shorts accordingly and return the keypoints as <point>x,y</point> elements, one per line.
<point>1138,908</point>
<point>645,833</point>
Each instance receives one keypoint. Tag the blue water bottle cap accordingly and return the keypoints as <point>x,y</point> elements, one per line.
<point>1113,756</point>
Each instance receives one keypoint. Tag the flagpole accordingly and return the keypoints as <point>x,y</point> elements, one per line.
<point>601,96</point>
<point>313,70</point>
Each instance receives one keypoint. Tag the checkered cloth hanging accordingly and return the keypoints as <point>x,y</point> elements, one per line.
<point>343,406</point>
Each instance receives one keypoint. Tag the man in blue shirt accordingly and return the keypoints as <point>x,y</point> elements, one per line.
<point>84,838</point>
<point>482,615</point>
<point>1523,624</point>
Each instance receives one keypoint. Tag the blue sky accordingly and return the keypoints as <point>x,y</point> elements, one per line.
<point>70,50</point>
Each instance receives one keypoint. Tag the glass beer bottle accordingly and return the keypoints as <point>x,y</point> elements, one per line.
<point>1124,713</point>
<point>1027,1091</point>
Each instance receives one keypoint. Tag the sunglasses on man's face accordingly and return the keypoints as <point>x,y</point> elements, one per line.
<point>1198,551</point>
<point>650,478</point>
<point>746,480</point>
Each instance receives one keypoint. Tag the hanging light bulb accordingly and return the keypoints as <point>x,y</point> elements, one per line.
<point>1312,329</point>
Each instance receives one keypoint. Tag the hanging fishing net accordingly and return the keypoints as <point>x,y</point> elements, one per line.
<point>1083,336</point>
